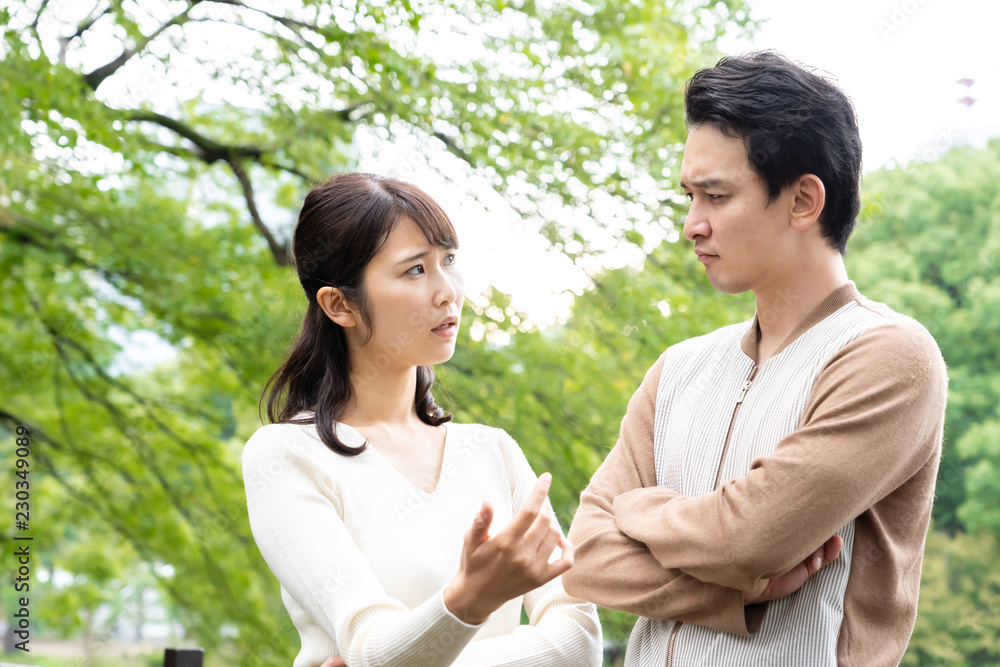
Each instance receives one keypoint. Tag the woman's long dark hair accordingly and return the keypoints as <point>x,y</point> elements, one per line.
<point>343,224</point>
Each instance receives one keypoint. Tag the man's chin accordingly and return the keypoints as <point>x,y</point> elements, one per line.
<point>726,285</point>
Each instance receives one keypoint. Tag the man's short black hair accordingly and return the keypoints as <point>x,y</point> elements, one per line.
<point>794,122</point>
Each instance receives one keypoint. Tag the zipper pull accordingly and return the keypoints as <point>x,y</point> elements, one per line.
<point>746,387</point>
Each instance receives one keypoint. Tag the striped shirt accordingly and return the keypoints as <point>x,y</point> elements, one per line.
<point>727,473</point>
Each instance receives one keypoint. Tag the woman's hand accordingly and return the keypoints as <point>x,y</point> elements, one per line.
<point>791,581</point>
<point>509,564</point>
<point>334,661</point>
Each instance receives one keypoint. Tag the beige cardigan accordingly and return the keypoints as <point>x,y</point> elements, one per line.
<point>839,432</point>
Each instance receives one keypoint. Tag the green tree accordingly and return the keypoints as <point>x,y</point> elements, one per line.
<point>150,185</point>
<point>929,246</point>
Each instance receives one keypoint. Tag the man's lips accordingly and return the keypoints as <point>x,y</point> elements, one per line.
<point>704,256</point>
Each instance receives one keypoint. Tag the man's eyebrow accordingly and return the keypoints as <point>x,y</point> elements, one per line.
<point>413,258</point>
<point>704,183</point>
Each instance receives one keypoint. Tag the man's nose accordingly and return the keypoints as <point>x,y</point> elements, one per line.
<point>696,223</point>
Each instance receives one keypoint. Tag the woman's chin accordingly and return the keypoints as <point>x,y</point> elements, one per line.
<point>446,352</point>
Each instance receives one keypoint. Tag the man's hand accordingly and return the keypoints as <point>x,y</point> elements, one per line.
<point>334,661</point>
<point>791,581</point>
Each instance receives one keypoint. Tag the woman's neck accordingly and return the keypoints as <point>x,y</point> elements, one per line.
<point>382,396</point>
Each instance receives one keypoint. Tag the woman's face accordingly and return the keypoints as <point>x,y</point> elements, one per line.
<point>415,296</point>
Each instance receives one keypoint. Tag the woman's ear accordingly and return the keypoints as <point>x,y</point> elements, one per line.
<point>333,303</point>
<point>810,197</point>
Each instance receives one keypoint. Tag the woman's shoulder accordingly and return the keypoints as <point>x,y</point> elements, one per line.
<point>481,434</point>
<point>285,438</point>
<point>488,439</point>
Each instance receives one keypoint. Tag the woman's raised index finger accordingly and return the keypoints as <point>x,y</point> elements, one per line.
<point>532,504</point>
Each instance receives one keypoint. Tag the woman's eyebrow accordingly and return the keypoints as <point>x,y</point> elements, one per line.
<point>414,258</point>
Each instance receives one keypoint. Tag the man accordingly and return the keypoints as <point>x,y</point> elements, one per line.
<point>744,450</point>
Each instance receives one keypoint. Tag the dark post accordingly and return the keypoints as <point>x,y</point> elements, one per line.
<point>183,657</point>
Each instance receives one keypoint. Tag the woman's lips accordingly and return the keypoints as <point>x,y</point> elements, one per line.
<point>446,330</point>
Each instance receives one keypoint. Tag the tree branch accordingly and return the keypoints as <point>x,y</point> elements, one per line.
<point>95,78</point>
<point>9,218</point>
<point>88,22</point>
<point>453,147</point>
<point>207,149</point>
<point>280,252</point>
<point>34,25</point>
<point>38,15</point>
<point>293,24</point>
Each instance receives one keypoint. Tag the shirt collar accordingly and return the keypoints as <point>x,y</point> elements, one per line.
<point>832,303</point>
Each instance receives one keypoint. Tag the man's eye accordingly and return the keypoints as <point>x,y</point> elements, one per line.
<point>689,195</point>
<point>416,270</point>
<point>715,196</point>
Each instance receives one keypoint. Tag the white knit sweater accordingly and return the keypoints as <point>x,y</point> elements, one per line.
<point>363,556</point>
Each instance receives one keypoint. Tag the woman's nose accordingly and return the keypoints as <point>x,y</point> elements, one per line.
<point>449,287</point>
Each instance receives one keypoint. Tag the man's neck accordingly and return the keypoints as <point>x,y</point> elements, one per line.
<point>782,306</point>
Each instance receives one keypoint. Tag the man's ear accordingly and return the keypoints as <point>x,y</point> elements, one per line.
<point>333,303</point>
<point>809,198</point>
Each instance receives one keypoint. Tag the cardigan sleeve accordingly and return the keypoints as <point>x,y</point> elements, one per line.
<point>619,572</point>
<point>873,420</point>
<point>295,518</point>
<point>563,631</point>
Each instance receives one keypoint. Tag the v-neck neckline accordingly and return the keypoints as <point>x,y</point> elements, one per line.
<point>359,439</point>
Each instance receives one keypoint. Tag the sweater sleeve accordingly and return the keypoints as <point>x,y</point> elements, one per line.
<point>619,572</point>
<point>562,631</point>
<point>295,518</point>
<point>873,419</point>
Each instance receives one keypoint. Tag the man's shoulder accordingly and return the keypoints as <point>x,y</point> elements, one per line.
<point>898,334</point>
<point>894,346</point>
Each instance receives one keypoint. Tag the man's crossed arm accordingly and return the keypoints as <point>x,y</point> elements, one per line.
<point>645,549</point>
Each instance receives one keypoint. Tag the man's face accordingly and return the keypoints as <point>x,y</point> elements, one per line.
<point>740,240</point>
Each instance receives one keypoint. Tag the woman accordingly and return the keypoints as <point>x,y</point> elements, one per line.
<point>362,494</point>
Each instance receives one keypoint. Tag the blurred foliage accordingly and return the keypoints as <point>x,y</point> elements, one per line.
<point>137,195</point>
<point>958,623</point>
<point>148,183</point>
<point>928,245</point>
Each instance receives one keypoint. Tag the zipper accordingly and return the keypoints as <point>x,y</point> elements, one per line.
<point>718,475</point>
<point>671,642</point>
<point>732,423</point>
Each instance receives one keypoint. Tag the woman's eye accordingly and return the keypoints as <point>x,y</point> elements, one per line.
<point>689,195</point>
<point>416,270</point>
<point>449,259</point>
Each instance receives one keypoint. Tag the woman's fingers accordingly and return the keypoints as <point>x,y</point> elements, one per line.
<point>552,538</point>
<point>565,560</point>
<point>538,531</point>
<point>480,530</point>
<point>532,506</point>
